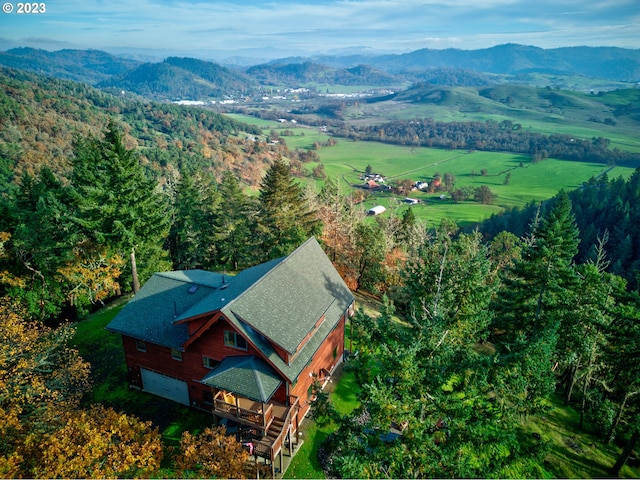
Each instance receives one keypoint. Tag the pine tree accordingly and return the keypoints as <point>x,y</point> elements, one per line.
<point>117,204</point>
<point>191,237</point>
<point>234,226</point>
<point>285,218</point>
<point>537,295</point>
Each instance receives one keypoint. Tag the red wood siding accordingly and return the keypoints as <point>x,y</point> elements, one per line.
<point>328,355</point>
<point>211,344</point>
<point>194,325</point>
<point>282,353</point>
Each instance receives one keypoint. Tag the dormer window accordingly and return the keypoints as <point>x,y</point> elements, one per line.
<point>235,340</point>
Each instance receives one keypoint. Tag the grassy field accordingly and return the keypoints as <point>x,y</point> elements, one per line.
<point>347,160</point>
<point>573,453</point>
<point>540,181</point>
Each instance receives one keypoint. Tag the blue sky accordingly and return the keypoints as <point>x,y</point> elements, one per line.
<point>276,28</point>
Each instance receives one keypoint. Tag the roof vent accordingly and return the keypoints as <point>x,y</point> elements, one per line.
<point>193,289</point>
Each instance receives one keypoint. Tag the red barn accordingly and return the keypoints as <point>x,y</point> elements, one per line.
<point>246,347</point>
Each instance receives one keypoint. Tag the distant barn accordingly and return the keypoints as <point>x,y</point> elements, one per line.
<point>377,210</point>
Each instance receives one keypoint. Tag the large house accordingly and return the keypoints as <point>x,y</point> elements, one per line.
<point>246,347</point>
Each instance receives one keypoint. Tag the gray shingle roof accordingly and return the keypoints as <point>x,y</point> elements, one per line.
<point>245,375</point>
<point>149,315</point>
<point>281,300</point>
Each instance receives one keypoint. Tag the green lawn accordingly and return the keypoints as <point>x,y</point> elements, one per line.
<point>305,464</point>
<point>573,453</point>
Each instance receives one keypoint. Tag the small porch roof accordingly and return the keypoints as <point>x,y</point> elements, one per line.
<point>245,375</point>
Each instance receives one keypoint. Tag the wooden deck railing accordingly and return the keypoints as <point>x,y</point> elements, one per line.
<point>266,448</point>
<point>270,448</point>
<point>251,416</point>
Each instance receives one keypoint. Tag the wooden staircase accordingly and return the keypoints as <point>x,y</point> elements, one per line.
<point>275,430</point>
<point>284,425</point>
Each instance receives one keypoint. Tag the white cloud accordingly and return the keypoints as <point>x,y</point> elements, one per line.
<point>398,25</point>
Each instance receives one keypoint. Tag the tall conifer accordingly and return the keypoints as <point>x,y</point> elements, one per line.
<point>285,217</point>
<point>118,206</point>
<point>537,296</point>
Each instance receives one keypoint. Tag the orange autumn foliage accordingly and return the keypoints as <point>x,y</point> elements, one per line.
<point>99,443</point>
<point>212,454</point>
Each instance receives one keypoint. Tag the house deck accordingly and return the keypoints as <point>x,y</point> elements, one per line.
<point>268,427</point>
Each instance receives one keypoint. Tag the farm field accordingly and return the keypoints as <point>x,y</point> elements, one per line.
<point>529,182</point>
<point>347,160</point>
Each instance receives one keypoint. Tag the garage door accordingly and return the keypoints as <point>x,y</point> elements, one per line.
<point>164,386</point>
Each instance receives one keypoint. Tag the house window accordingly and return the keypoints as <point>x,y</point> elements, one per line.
<point>209,362</point>
<point>176,354</point>
<point>207,397</point>
<point>233,339</point>
<point>141,345</point>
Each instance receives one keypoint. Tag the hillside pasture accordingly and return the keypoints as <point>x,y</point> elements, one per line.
<point>543,110</point>
<point>347,161</point>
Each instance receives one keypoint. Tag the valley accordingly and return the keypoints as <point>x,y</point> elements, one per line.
<point>485,211</point>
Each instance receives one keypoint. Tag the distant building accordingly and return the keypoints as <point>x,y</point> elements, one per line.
<point>377,210</point>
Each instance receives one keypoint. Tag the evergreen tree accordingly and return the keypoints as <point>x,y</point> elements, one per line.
<point>234,226</point>
<point>39,241</point>
<point>191,237</point>
<point>285,219</point>
<point>537,294</point>
<point>432,381</point>
<point>117,204</point>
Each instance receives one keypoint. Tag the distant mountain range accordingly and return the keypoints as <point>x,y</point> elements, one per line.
<point>181,78</point>
<point>600,62</point>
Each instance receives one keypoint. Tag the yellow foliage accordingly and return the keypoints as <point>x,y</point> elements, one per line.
<point>99,443</point>
<point>40,380</point>
<point>211,454</point>
<point>93,274</point>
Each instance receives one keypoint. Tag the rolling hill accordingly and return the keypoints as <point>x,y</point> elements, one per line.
<point>309,72</point>
<point>41,118</point>
<point>549,110</point>
<point>182,78</point>
<point>89,66</point>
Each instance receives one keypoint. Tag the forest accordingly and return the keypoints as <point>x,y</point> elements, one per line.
<point>495,320</point>
<point>41,116</point>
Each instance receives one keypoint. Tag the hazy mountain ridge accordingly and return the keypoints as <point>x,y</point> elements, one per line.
<point>89,66</point>
<point>611,63</point>
<point>191,78</point>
